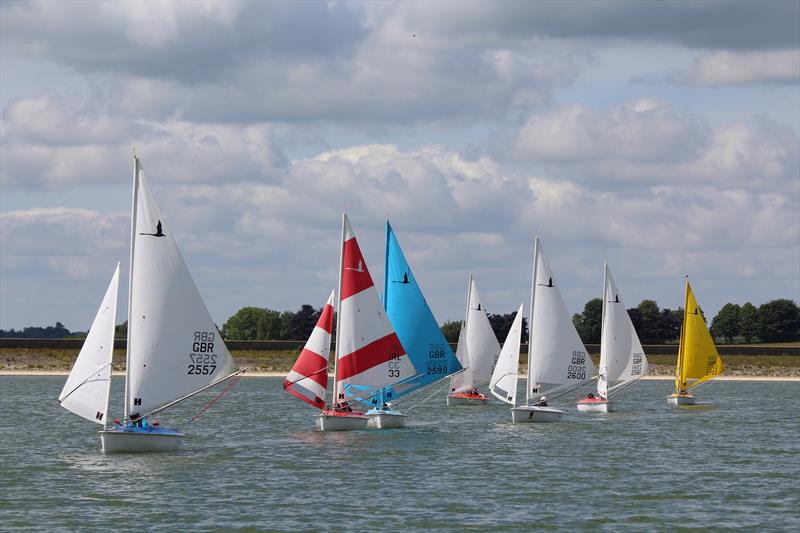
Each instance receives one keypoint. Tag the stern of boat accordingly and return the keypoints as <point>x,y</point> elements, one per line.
<point>593,405</point>
<point>382,419</point>
<point>467,399</point>
<point>680,399</point>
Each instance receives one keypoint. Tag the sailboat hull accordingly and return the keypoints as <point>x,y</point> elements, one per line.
<point>680,399</point>
<point>535,413</point>
<point>134,440</point>
<point>594,405</point>
<point>339,421</point>
<point>467,399</point>
<point>380,419</point>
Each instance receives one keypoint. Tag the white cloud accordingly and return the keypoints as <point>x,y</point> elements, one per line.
<point>726,68</point>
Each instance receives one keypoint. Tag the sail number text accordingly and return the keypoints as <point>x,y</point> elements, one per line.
<point>636,365</point>
<point>437,360</point>
<point>577,368</point>
<point>202,361</point>
<point>395,352</point>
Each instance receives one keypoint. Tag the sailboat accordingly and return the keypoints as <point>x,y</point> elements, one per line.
<point>503,383</point>
<point>477,351</point>
<point>308,378</point>
<point>698,358</point>
<point>417,330</point>
<point>369,354</point>
<point>88,386</point>
<point>622,358</point>
<point>557,359</point>
<point>174,350</point>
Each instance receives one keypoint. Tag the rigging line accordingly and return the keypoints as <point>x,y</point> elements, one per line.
<point>217,398</point>
<point>437,391</point>
<point>90,379</point>
<point>622,386</point>
<point>321,370</point>
<point>572,389</point>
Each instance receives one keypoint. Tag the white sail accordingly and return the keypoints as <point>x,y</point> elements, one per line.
<point>482,348</point>
<point>174,348</point>
<point>622,358</point>
<point>87,388</point>
<point>557,355</point>
<point>503,383</point>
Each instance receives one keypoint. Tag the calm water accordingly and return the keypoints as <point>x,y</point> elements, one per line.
<point>253,462</point>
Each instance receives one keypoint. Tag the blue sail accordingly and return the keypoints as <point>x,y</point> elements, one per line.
<point>414,323</point>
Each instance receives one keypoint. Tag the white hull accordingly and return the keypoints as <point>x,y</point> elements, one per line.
<point>595,407</point>
<point>463,400</point>
<point>386,420</point>
<point>535,413</point>
<point>680,399</point>
<point>349,422</point>
<point>134,441</point>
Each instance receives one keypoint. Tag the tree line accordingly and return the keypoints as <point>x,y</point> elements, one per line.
<point>774,321</point>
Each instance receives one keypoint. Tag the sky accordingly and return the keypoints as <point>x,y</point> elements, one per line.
<point>659,136</point>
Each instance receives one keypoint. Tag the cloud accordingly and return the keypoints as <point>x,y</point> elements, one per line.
<point>648,142</point>
<point>727,68</point>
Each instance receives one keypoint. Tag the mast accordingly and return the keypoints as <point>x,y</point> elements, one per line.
<point>681,345</point>
<point>339,315</point>
<point>603,370</point>
<point>530,318</point>
<point>134,200</point>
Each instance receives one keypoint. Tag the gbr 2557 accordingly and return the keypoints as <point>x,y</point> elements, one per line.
<point>202,360</point>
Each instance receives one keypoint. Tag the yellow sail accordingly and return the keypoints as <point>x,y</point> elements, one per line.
<point>698,359</point>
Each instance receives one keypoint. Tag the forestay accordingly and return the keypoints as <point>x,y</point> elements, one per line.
<point>175,348</point>
<point>308,379</point>
<point>370,354</point>
<point>414,322</point>
<point>557,355</point>
<point>87,388</point>
<point>622,357</point>
<point>480,348</point>
<point>503,383</point>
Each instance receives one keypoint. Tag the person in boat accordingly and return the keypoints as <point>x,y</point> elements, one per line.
<point>542,402</point>
<point>474,391</point>
<point>345,407</point>
<point>139,422</point>
<point>590,396</point>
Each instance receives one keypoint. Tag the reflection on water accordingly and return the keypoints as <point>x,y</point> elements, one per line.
<point>255,461</point>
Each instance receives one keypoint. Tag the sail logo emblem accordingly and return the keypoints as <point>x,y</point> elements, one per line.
<point>137,401</point>
<point>99,415</point>
<point>158,233</point>
<point>359,268</point>
<point>404,281</point>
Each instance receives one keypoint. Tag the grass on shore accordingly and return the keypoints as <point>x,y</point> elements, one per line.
<point>282,361</point>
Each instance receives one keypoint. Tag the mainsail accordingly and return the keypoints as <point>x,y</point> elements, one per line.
<point>698,359</point>
<point>503,383</point>
<point>87,388</point>
<point>414,322</point>
<point>557,356</point>
<point>622,357</point>
<point>174,347</point>
<point>369,354</point>
<point>308,379</point>
<point>480,347</point>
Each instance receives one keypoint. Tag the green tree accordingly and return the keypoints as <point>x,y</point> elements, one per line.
<point>501,324</point>
<point>589,323</point>
<point>253,323</point>
<point>748,321</point>
<point>727,323</point>
<point>303,322</point>
<point>121,331</point>
<point>648,318</point>
<point>451,329</point>
<point>778,320</point>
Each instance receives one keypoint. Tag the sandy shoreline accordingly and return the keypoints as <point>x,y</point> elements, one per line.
<point>257,374</point>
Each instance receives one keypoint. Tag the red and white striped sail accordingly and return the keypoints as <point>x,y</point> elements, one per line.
<point>308,379</point>
<point>370,356</point>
